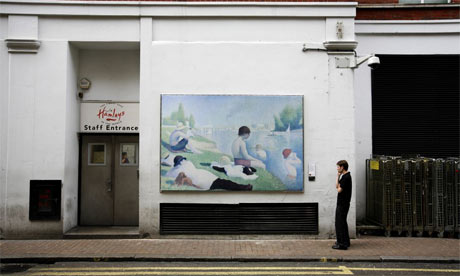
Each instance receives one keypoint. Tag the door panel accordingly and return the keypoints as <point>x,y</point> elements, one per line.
<point>96,181</point>
<point>126,185</point>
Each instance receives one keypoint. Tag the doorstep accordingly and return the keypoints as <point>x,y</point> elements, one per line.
<point>103,232</point>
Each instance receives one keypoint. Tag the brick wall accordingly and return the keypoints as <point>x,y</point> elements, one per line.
<point>365,11</point>
<point>428,13</point>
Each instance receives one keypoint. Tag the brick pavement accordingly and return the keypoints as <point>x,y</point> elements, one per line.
<point>366,248</point>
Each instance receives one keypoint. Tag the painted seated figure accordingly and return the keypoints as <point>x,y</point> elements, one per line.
<point>178,139</point>
<point>240,152</point>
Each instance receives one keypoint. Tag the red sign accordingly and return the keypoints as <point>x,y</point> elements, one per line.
<point>111,115</point>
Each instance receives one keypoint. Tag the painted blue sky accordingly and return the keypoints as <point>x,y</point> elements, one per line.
<point>229,111</point>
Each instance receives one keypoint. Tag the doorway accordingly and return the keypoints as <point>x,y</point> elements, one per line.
<point>109,186</point>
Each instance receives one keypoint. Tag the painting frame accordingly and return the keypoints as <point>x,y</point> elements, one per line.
<point>300,188</point>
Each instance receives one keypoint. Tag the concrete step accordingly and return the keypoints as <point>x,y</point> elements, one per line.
<point>103,232</point>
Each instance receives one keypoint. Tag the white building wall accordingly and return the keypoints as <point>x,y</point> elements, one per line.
<point>114,74</point>
<point>36,133</point>
<point>247,59</point>
<point>72,124</point>
<point>40,109</point>
<point>197,49</point>
<point>93,29</point>
<point>395,38</point>
<point>4,62</point>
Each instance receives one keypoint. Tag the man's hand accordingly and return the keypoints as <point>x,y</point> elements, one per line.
<point>337,185</point>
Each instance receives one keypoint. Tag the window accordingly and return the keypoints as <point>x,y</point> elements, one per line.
<point>96,154</point>
<point>128,154</point>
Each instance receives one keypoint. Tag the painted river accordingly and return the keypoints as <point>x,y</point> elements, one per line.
<point>273,143</point>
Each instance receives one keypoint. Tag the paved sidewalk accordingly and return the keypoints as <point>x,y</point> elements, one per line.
<point>374,249</point>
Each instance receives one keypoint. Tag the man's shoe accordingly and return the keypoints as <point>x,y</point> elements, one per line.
<point>338,247</point>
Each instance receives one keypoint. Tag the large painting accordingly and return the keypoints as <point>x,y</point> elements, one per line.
<point>231,143</point>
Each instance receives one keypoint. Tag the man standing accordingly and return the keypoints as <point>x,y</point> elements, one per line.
<point>343,186</point>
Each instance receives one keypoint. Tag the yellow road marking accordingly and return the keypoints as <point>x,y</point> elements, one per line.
<point>195,273</point>
<point>186,268</point>
<point>340,270</point>
<point>404,269</point>
<point>346,270</point>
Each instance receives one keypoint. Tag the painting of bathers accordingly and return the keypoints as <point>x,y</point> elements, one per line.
<point>240,143</point>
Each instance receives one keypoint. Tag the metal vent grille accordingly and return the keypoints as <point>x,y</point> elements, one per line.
<point>247,218</point>
<point>177,218</point>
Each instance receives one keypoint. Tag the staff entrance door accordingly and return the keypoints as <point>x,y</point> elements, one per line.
<point>109,180</point>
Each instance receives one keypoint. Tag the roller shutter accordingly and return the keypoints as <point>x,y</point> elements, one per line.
<point>415,105</point>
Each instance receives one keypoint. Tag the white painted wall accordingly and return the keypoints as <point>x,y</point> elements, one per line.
<point>40,120</point>
<point>40,111</point>
<point>4,61</point>
<point>239,29</point>
<point>397,38</point>
<point>276,66</point>
<point>110,29</point>
<point>213,48</point>
<point>200,48</point>
<point>72,123</point>
<point>36,133</point>
<point>114,74</point>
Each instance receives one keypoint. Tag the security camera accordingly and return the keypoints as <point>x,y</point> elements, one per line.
<point>373,62</point>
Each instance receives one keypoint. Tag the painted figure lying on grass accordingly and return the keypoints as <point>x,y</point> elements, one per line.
<point>185,173</point>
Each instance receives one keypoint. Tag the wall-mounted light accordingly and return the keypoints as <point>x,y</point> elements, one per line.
<point>84,85</point>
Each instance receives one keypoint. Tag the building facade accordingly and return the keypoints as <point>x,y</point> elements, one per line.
<point>67,66</point>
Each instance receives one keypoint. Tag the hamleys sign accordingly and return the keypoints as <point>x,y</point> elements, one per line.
<point>109,113</point>
<point>109,117</point>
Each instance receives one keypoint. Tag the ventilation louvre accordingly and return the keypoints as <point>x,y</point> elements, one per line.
<point>244,218</point>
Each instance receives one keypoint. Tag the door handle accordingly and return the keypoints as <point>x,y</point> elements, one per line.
<point>138,174</point>
<point>108,182</point>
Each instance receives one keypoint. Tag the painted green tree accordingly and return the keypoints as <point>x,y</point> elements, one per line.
<point>279,126</point>
<point>179,116</point>
<point>290,117</point>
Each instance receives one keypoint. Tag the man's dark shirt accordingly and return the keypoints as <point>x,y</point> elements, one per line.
<point>344,197</point>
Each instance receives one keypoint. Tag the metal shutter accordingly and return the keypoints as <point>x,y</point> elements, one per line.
<point>415,105</point>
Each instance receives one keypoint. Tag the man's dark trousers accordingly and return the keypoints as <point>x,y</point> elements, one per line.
<point>341,226</point>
